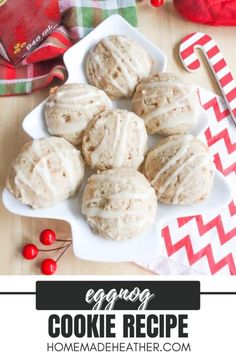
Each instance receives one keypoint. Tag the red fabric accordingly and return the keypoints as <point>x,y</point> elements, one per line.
<point>39,68</point>
<point>24,24</point>
<point>211,12</point>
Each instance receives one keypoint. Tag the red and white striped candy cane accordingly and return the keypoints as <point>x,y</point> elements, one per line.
<point>216,61</point>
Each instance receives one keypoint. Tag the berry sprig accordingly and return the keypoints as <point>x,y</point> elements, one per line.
<point>47,237</point>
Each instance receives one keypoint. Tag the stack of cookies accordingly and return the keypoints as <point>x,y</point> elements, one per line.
<point>120,198</point>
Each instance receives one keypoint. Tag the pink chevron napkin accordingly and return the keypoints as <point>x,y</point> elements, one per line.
<point>205,244</point>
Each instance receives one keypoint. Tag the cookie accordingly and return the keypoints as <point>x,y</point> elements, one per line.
<point>114,139</point>
<point>167,104</point>
<point>116,65</point>
<point>71,107</point>
<point>181,170</point>
<point>45,172</point>
<point>119,204</point>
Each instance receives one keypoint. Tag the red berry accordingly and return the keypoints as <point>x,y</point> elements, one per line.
<point>47,237</point>
<point>48,266</point>
<point>30,251</point>
<point>157,3</point>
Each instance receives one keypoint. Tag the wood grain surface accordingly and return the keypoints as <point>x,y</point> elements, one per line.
<point>165,28</point>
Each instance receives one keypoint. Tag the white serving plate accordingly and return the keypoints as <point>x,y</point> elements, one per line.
<point>86,244</point>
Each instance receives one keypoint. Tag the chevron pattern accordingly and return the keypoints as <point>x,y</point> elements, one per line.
<point>218,136</point>
<point>219,115</point>
<point>194,257</point>
<point>213,223</point>
<point>206,244</point>
<point>225,171</point>
<point>224,135</point>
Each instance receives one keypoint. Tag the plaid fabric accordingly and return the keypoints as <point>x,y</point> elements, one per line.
<point>45,63</point>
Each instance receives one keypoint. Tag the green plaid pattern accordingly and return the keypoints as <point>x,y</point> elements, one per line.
<point>81,16</point>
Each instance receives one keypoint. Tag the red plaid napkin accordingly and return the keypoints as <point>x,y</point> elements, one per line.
<point>45,63</point>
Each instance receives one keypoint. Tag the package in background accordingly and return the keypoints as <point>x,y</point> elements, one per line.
<point>24,24</point>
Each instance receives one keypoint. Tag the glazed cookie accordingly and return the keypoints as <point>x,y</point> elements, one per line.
<point>114,139</point>
<point>167,104</point>
<point>181,170</point>
<point>45,172</point>
<point>71,107</point>
<point>117,64</point>
<point>119,204</point>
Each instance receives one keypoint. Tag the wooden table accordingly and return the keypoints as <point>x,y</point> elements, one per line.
<point>165,28</point>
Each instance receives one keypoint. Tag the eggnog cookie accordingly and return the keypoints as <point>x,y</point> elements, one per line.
<point>117,64</point>
<point>119,204</point>
<point>167,104</point>
<point>71,107</point>
<point>114,139</point>
<point>45,172</point>
<point>181,170</point>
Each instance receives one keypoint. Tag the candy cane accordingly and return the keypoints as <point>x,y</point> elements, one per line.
<point>216,61</point>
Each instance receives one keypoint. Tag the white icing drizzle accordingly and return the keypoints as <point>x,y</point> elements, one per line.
<point>121,224</point>
<point>186,92</point>
<point>36,148</point>
<point>122,141</point>
<point>120,59</point>
<point>111,179</point>
<point>74,126</point>
<point>81,93</point>
<point>185,140</point>
<point>73,104</point>
<point>178,191</point>
<point>21,181</point>
<point>119,141</point>
<point>111,214</point>
<point>28,180</point>
<point>184,118</point>
<point>172,177</point>
<point>160,94</point>
<point>108,214</point>
<point>71,95</point>
<point>124,90</point>
<point>123,195</point>
<point>41,171</point>
<point>96,154</point>
<point>91,207</point>
<point>67,165</point>
<point>129,63</point>
<point>180,103</point>
<point>78,97</point>
<point>45,175</point>
<point>117,133</point>
<point>142,141</point>
<point>20,177</point>
<point>167,84</point>
<point>129,59</point>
